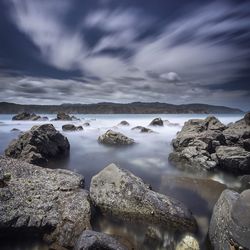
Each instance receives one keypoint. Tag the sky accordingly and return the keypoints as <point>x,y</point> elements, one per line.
<point>89,51</point>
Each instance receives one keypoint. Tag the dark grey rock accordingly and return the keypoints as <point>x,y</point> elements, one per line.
<point>143,129</point>
<point>157,122</point>
<point>123,123</point>
<point>86,124</point>
<point>230,222</point>
<point>119,193</point>
<point>115,138</point>
<point>38,145</point>
<point>48,201</point>
<point>91,240</point>
<point>26,116</point>
<point>61,116</point>
<point>71,127</point>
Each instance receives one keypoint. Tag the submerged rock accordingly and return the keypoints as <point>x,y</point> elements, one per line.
<point>115,138</point>
<point>51,202</point>
<point>38,145</point>
<point>119,193</point>
<point>95,240</point>
<point>86,124</point>
<point>157,122</point>
<point>171,124</point>
<point>143,129</point>
<point>71,127</point>
<point>15,130</point>
<point>123,123</point>
<point>26,116</point>
<point>208,144</point>
<point>230,222</point>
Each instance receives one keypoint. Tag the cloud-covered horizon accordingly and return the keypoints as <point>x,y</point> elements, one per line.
<point>70,51</point>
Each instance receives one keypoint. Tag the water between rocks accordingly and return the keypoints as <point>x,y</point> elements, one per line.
<point>148,159</point>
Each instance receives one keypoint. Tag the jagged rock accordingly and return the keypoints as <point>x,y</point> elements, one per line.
<point>234,159</point>
<point>123,123</point>
<point>119,193</point>
<point>205,145</point>
<point>115,138</point>
<point>247,118</point>
<point>188,242</point>
<point>38,145</point>
<point>230,222</point>
<point>51,202</point>
<point>157,122</point>
<point>143,129</point>
<point>94,240</point>
<point>71,127</point>
<point>26,116</point>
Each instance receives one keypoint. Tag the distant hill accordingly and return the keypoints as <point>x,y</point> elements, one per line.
<point>119,108</point>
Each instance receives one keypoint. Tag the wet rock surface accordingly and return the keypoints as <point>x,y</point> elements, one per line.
<point>71,127</point>
<point>26,116</point>
<point>157,122</point>
<point>208,144</point>
<point>51,202</point>
<point>230,222</point>
<point>94,240</point>
<point>39,145</point>
<point>119,193</point>
<point>115,138</point>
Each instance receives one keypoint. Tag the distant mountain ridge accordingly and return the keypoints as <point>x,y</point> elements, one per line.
<point>119,108</point>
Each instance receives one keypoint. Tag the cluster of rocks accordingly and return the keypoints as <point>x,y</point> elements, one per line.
<point>55,204</point>
<point>25,116</point>
<point>62,116</point>
<point>71,127</point>
<point>38,145</point>
<point>208,144</point>
<point>143,129</point>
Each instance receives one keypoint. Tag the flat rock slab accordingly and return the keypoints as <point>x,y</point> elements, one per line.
<point>51,202</point>
<point>95,240</point>
<point>121,194</point>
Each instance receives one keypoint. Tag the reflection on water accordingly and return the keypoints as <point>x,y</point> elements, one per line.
<point>148,158</point>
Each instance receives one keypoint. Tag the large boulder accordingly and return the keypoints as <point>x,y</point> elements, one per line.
<point>230,222</point>
<point>157,122</point>
<point>208,144</point>
<point>71,127</point>
<point>95,240</point>
<point>38,145</point>
<point>50,202</point>
<point>26,116</point>
<point>115,138</point>
<point>119,193</point>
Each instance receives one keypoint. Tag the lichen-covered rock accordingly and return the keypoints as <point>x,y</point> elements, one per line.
<point>188,242</point>
<point>71,127</point>
<point>123,123</point>
<point>208,144</point>
<point>119,193</point>
<point>230,222</point>
<point>115,138</point>
<point>157,122</point>
<point>38,145</point>
<point>26,116</point>
<point>51,202</point>
<point>94,240</point>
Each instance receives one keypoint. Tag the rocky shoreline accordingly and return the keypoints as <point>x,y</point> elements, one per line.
<point>55,203</point>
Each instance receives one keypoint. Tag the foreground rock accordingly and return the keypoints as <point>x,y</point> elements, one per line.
<point>230,222</point>
<point>123,123</point>
<point>39,145</point>
<point>208,144</point>
<point>95,240</point>
<point>143,129</point>
<point>157,122</point>
<point>71,127</point>
<point>121,194</point>
<point>188,242</point>
<point>115,138</point>
<point>26,116</point>
<point>51,202</point>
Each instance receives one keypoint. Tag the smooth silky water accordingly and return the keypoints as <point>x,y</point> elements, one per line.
<point>148,159</point>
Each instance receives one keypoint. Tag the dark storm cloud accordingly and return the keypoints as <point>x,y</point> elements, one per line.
<point>107,50</point>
